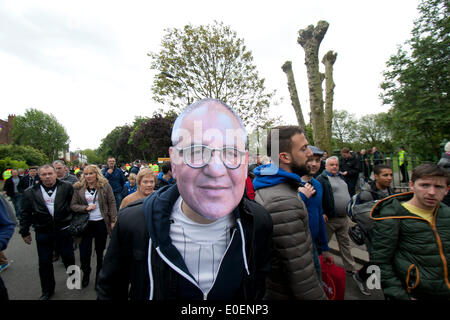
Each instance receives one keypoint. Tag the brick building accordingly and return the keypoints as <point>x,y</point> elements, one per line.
<point>6,130</point>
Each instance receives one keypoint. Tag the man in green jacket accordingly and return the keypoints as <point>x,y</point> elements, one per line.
<point>411,238</point>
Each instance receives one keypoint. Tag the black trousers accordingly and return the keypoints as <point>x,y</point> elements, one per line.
<point>351,184</point>
<point>3,291</point>
<point>96,230</point>
<point>404,172</point>
<point>46,243</point>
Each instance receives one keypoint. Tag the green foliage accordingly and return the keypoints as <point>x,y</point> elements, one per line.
<point>110,146</point>
<point>152,137</point>
<point>344,129</point>
<point>363,133</point>
<point>309,134</point>
<point>417,82</point>
<point>209,62</point>
<point>28,154</point>
<point>146,139</point>
<point>41,131</point>
<point>93,156</point>
<point>12,164</point>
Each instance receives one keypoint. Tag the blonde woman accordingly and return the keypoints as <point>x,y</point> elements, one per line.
<point>145,181</point>
<point>94,195</point>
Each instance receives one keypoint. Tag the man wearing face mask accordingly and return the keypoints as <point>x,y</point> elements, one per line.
<point>198,239</point>
<point>277,187</point>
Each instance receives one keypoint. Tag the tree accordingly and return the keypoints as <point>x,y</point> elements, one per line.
<point>287,68</point>
<point>93,156</point>
<point>373,131</point>
<point>111,147</point>
<point>328,60</point>
<point>152,137</point>
<point>310,39</point>
<point>32,156</point>
<point>345,128</point>
<point>209,61</point>
<point>41,131</point>
<point>417,82</point>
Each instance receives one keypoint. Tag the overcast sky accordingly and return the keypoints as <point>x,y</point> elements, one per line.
<point>86,62</point>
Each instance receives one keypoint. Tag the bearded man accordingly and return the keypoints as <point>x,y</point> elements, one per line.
<point>277,186</point>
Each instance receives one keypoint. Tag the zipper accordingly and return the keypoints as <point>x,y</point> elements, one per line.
<point>181,272</point>
<point>439,243</point>
<point>205,296</point>
<point>441,253</point>
<point>186,276</point>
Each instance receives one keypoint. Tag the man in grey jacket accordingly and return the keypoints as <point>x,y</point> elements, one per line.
<point>334,201</point>
<point>277,187</point>
<point>62,172</point>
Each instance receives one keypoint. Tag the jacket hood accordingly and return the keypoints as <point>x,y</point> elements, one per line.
<point>269,175</point>
<point>160,177</point>
<point>390,207</point>
<point>157,210</point>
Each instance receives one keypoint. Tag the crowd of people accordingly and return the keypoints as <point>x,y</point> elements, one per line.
<point>212,226</point>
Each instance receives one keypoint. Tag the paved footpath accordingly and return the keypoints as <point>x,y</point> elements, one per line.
<point>22,276</point>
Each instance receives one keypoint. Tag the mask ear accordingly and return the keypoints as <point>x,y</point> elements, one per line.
<point>172,162</point>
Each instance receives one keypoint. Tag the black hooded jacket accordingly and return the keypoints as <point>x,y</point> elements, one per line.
<point>141,242</point>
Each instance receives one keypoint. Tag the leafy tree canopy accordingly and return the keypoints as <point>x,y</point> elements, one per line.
<point>209,61</point>
<point>363,133</point>
<point>146,139</point>
<point>32,156</point>
<point>41,131</point>
<point>93,156</point>
<point>417,82</point>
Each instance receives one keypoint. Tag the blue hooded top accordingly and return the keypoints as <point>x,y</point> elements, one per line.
<point>270,175</point>
<point>160,177</point>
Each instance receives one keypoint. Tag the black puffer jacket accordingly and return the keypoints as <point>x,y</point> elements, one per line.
<point>125,273</point>
<point>370,192</point>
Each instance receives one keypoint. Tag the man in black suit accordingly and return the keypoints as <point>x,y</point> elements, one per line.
<point>47,206</point>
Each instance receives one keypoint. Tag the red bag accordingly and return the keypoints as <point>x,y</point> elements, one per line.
<point>333,280</point>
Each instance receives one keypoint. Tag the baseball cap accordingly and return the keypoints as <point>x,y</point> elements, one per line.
<point>316,151</point>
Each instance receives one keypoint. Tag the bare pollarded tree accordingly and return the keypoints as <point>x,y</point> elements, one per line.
<point>287,68</point>
<point>321,120</point>
<point>328,60</point>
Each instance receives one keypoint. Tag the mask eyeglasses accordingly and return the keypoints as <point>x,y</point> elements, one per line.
<point>198,156</point>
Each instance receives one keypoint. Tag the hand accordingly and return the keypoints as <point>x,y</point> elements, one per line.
<point>325,218</point>
<point>110,170</point>
<point>91,207</point>
<point>344,173</point>
<point>308,190</point>
<point>27,239</point>
<point>328,257</point>
<point>112,225</point>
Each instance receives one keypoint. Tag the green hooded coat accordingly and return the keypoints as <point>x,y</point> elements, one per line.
<point>412,254</point>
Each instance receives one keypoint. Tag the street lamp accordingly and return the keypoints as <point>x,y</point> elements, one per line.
<point>169,75</point>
